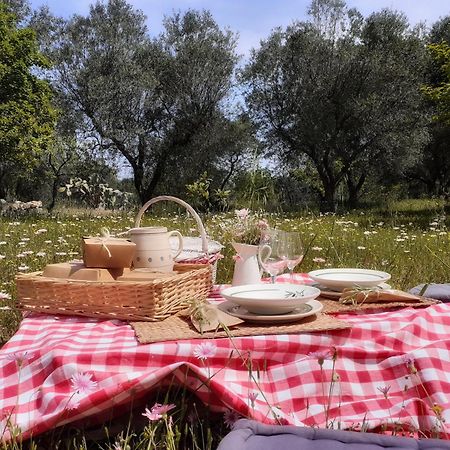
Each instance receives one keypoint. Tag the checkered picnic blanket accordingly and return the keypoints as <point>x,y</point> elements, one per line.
<point>389,367</point>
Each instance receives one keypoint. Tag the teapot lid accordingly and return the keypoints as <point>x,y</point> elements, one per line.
<point>148,230</point>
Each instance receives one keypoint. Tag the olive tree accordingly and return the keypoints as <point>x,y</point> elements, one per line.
<point>340,94</point>
<point>148,99</point>
<point>433,170</point>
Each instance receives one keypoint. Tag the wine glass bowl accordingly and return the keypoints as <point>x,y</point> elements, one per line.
<point>294,251</point>
<point>272,253</point>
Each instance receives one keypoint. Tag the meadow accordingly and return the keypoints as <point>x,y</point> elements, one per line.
<point>410,240</point>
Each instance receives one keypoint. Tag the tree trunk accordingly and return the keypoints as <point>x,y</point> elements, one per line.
<point>147,192</point>
<point>54,193</point>
<point>3,188</point>
<point>328,198</point>
<point>354,190</point>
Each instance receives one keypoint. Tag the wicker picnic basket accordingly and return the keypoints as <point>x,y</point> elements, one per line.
<point>152,300</point>
<point>126,300</point>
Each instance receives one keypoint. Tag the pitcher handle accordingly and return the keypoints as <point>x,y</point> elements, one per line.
<point>180,241</point>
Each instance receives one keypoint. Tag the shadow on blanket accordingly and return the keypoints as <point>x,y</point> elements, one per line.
<point>251,435</point>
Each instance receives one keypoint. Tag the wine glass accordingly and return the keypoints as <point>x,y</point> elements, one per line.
<point>272,252</point>
<point>294,251</point>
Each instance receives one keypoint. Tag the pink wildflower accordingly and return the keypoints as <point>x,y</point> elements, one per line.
<point>262,224</point>
<point>242,213</point>
<point>322,355</point>
<point>20,357</point>
<point>409,361</point>
<point>82,383</point>
<point>384,390</point>
<point>252,397</point>
<point>230,417</point>
<point>157,412</point>
<point>205,350</point>
<point>237,257</point>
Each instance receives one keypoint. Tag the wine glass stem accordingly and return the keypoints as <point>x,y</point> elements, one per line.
<point>291,273</point>
<point>272,277</point>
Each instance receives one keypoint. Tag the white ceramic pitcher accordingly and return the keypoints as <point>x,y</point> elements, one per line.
<point>153,249</point>
<point>246,267</point>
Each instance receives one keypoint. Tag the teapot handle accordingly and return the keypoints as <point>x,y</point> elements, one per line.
<point>199,222</point>
<point>180,241</point>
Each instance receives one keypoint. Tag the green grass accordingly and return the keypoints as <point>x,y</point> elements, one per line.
<point>409,240</point>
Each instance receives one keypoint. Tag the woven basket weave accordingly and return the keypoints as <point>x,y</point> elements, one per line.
<point>126,300</point>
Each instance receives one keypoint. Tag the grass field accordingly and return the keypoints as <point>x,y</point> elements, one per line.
<point>410,240</point>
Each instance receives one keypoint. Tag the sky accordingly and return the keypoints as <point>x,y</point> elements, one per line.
<point>253,19</point>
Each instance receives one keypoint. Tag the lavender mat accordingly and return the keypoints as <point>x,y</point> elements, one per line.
<point>251,435</point>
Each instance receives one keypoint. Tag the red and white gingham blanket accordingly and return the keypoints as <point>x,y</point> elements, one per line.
<point>389,367</point>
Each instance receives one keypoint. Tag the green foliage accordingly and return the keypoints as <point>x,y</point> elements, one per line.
<point>202,197</point>
<point>440,94</point>
<point>256,190</point>
<point>93,194</point>
<point>340,91</point>
<point>166,93</point>
<point>27,117</point>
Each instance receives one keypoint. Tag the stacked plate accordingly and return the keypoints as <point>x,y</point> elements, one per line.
<point>271,302</point>
<point>332,282</point>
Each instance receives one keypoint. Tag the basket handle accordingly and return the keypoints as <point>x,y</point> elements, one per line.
<point>199,222</point>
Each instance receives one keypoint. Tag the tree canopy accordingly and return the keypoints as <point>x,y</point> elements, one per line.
<point>340,106</point>
<point>151,100</point>
<point>27,117</point>
<point>340,92</point>
<point>440,92</point>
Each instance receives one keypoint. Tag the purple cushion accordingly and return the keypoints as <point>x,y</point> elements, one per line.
<point>436,291</point>
<point>251,435</point>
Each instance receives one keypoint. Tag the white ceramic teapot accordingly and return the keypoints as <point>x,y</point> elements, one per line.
<point>153,249</point>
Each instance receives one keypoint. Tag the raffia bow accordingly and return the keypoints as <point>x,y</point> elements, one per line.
<point>104,236</point>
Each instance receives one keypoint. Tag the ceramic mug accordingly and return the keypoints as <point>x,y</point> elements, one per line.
<point>153,249</point>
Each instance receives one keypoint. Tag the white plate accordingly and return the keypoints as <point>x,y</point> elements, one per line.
<point>336,294</point>
<point>278,298</point>
<point>305,310</point>
<point>339,279</point>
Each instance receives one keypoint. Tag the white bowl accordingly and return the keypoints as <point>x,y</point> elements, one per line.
<point>269,299</point>
<point>339,279</point>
